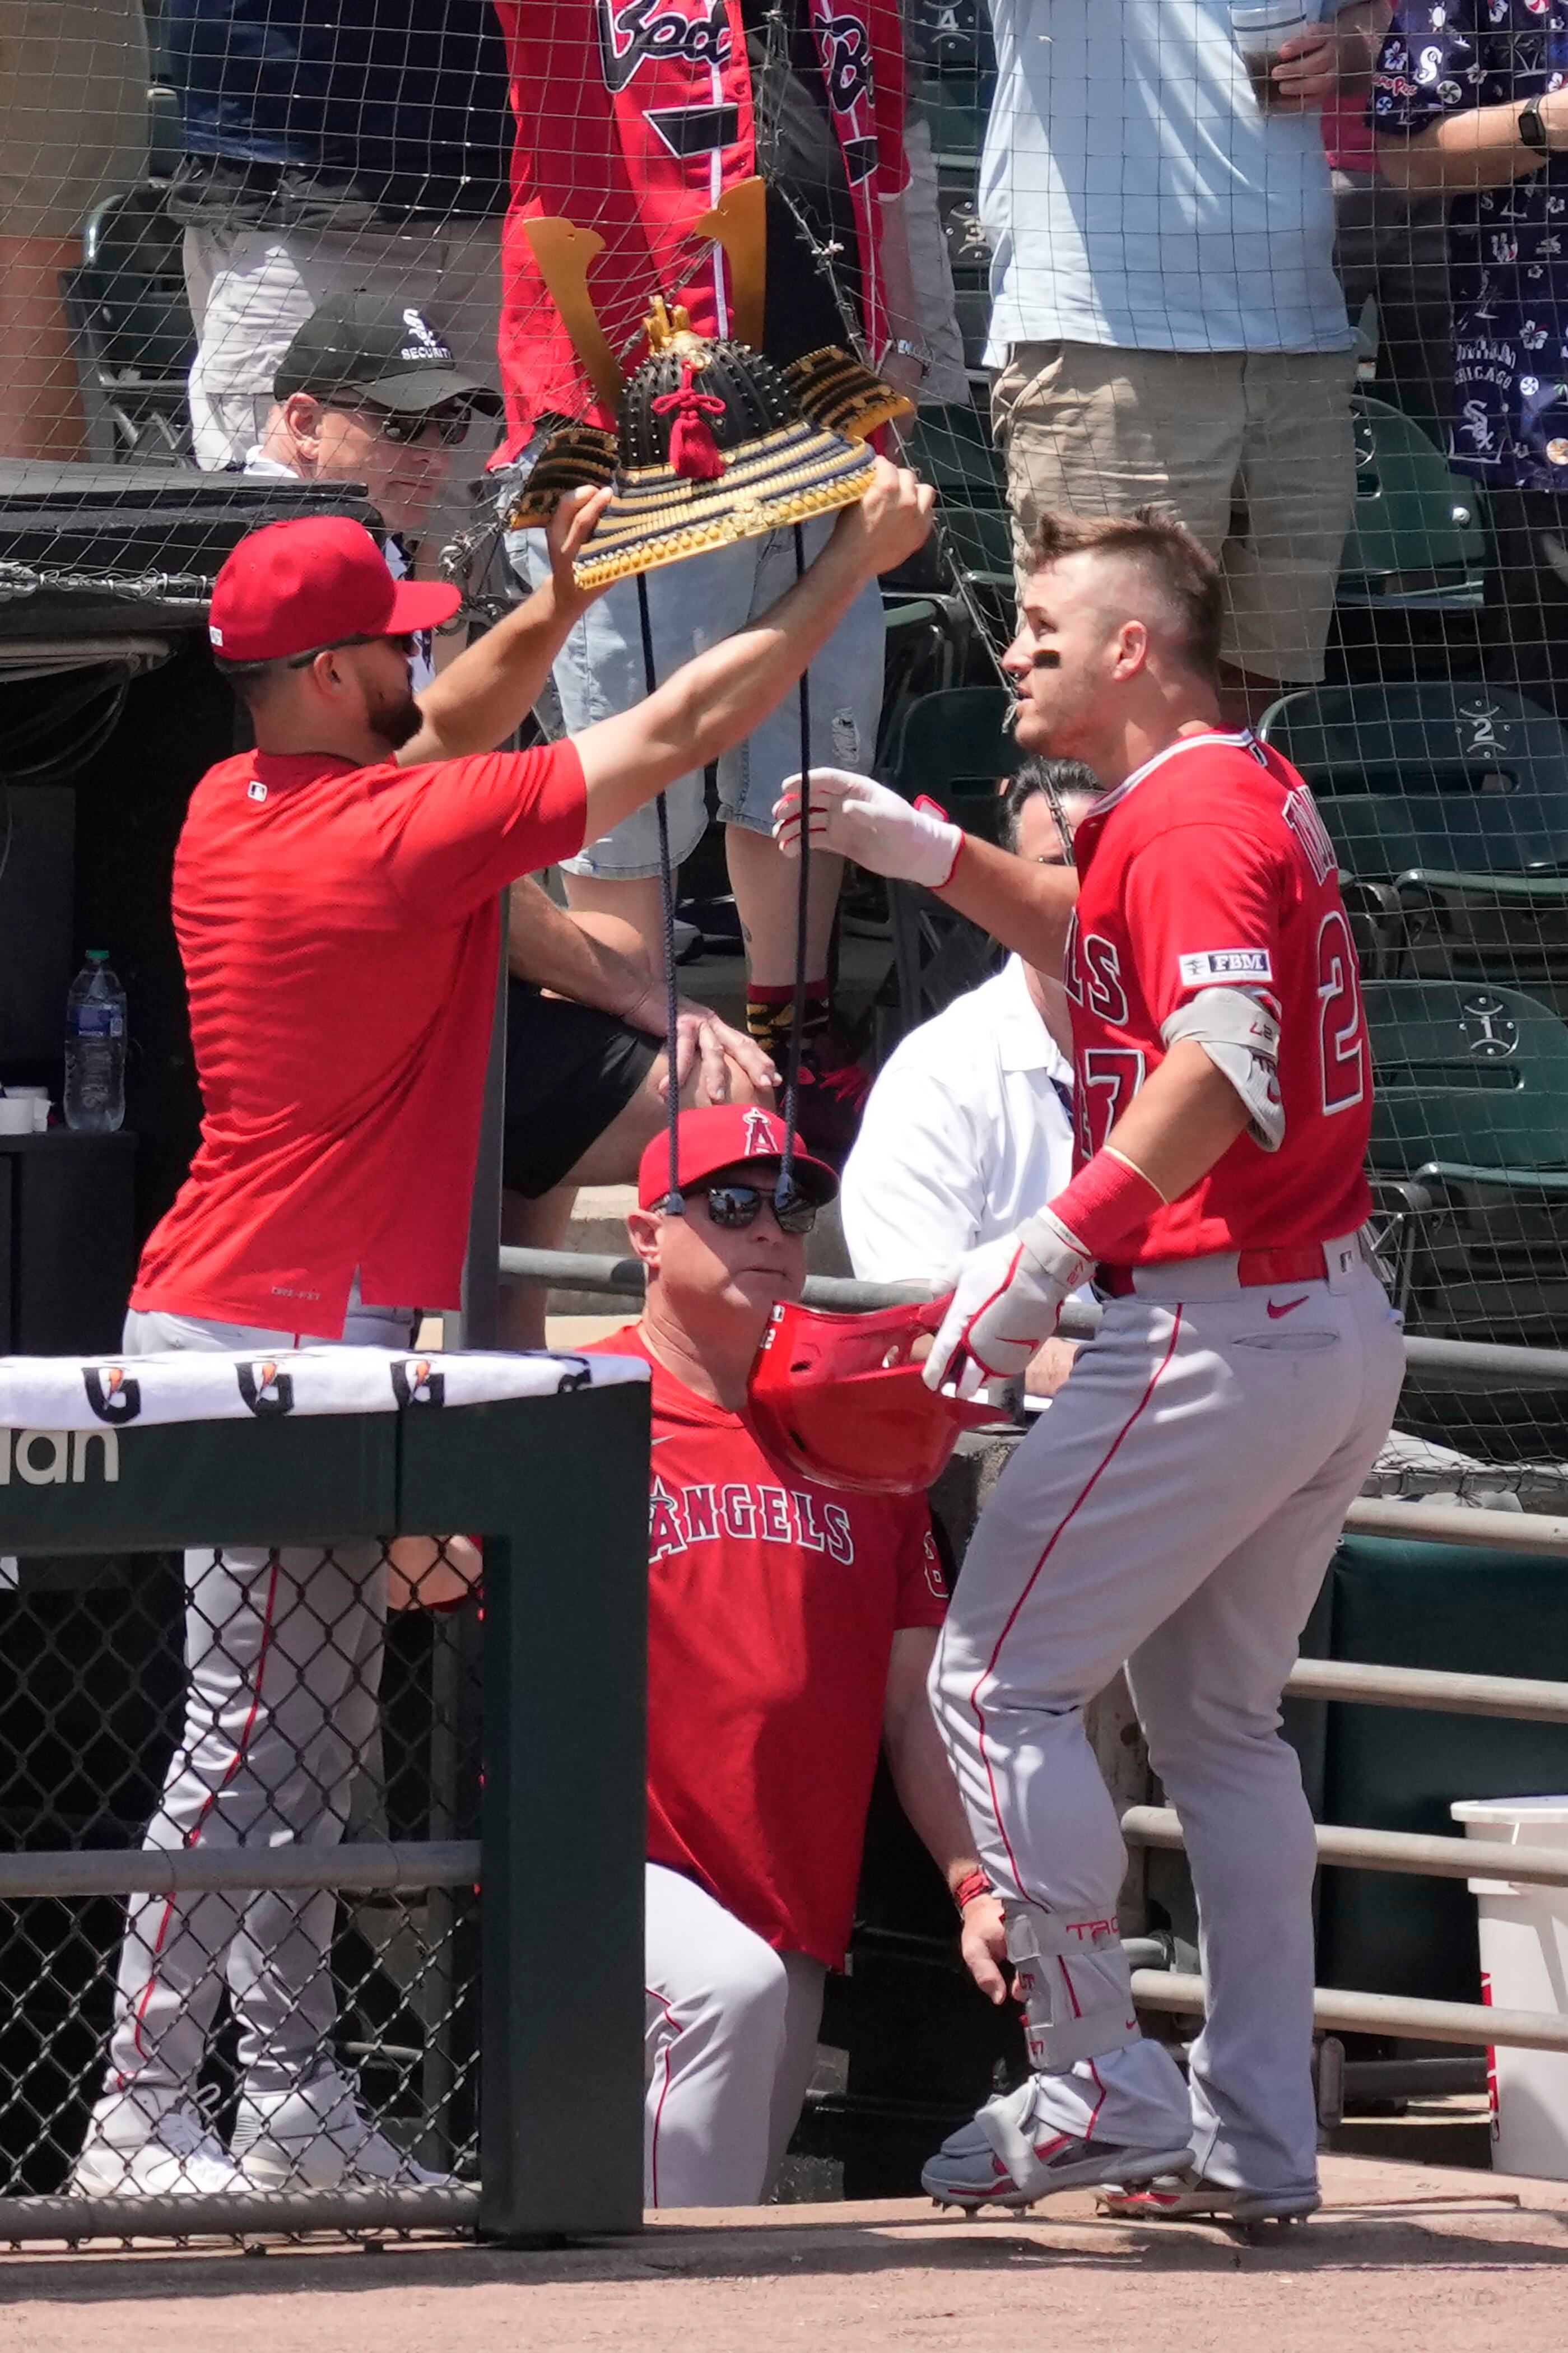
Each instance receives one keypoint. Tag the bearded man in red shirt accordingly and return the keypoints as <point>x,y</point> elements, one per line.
<point>790,1631</point>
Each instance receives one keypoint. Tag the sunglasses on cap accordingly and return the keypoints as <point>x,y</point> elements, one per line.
<point>450,424</point>
<point>735,1206</point>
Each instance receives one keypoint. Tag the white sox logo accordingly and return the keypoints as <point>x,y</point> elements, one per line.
<point>111,1393</point>
<point>635,31</point>
<point>265,1389</point>
<point>414,1381</point>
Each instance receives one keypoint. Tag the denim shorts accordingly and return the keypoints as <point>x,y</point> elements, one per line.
<point>599,673</point>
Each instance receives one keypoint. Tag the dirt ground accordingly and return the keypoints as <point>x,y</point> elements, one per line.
<point>1403,2257</point>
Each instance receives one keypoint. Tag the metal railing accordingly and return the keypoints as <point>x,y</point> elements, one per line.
<point>618,1278</point>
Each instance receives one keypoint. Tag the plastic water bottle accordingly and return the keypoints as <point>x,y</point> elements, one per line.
<point>95,1048</point>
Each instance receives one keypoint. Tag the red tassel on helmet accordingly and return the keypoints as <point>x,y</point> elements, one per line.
<point>693,452</point>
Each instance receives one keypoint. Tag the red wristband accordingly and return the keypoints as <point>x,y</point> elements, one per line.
<point>974,1884</point>
<point>1105,1201</point>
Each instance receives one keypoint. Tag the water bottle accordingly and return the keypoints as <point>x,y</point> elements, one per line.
<point>95,1048</point>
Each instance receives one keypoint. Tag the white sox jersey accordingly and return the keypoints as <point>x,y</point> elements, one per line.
<point>1210,868</point>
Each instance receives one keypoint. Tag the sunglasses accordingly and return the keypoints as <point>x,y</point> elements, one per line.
<point>450,425</point>
<point>735,1206</point>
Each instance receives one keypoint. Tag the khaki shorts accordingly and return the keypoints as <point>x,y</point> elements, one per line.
<point>73,111</point>
<point>1252,449</point>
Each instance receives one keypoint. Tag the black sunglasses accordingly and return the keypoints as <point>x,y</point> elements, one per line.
<point>735,1206</point>
<point>450,425</point>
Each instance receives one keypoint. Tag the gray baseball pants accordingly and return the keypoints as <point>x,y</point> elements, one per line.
<point>283,1654</point>
<point>1175,1511</point>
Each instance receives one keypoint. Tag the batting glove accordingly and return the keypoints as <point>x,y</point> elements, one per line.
<point>1006,1301</point>
<point>909,841</point>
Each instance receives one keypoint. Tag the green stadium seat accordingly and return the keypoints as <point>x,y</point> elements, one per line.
<point>135,337</point>
<point>1416,540</point>
<point>1470,1164</point>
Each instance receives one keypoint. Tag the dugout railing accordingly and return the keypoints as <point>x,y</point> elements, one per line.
<point>556,1487</point>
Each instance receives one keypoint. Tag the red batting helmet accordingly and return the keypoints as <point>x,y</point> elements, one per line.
<point>841,1398</point>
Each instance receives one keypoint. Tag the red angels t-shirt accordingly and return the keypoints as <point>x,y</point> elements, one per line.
<point>1211,867</point>
<point>340,929</point>
<point>773,1604</point>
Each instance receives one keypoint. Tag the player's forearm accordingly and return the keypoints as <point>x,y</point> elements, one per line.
<point>922,1777</point>
<point>1026,907</point>
<point>1181,1121</point>
<point>485,695</point>
<point>1479,149</point>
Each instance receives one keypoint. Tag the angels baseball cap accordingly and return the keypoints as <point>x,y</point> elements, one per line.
<point>292,587</point>
<point>726,1135</point>
<point>368,349</point>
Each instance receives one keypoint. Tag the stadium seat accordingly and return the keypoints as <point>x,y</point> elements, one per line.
<point>136,338</point>
<point>1416,540</point>
<point>1469,1164</point>
<point>1463,738</point>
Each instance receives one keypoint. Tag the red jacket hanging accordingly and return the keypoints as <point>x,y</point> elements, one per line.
<point>634,116</point>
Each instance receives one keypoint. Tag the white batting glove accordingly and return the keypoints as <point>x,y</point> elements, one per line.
<point>1006,1301</point>
<point>855,817</point>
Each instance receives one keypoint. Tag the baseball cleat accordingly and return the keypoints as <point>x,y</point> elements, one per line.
<point>316,2136</point>
<point>1007,2156</point>
<point>175,2157</point>
<point>1186,2197</point>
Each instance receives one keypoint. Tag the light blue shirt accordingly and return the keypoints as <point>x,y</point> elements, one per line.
<point>1136,195</point>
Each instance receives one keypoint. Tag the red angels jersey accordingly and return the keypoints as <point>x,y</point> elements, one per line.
<point>1210,868</point>
<point>633,118</point>
<point>773,1604</point>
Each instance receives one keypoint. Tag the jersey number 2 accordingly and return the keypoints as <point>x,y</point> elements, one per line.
<point>1341,1037</point>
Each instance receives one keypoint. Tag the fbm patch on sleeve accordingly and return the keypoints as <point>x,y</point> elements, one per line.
<point>1218,966</point>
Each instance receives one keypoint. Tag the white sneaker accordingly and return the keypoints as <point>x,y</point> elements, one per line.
<point>176,2157</point>
<point>316,2136</point>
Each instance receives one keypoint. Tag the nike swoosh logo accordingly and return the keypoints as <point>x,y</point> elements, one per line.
<point>1276,1312</point>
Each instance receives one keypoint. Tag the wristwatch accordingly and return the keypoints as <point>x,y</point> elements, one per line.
<point>1531,128</point>
<point>901,347</point>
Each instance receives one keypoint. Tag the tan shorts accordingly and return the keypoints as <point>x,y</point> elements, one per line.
<point>73,111</point>
<point>1252,449</point>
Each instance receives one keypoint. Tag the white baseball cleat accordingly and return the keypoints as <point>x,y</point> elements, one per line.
<point>1186,2197</point>
<point>316,2136</point>
<point>1009,2157</point>
<point>174,2157</point>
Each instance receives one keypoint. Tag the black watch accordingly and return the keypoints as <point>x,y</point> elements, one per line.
<point>1532,130</point>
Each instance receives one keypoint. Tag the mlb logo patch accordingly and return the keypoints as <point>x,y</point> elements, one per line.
<point>1220,967</point>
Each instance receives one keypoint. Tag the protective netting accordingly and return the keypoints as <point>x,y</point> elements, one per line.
<point>1117,249</point>
<point>196,1706</point>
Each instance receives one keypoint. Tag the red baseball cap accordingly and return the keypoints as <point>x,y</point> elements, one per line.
<point>726,1135</point>
<point>292,586</point>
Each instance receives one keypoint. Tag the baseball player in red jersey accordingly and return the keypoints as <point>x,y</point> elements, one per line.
<point>1178,1508</point>
<point>790,1631</point>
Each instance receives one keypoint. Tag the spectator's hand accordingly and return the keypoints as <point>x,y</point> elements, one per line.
<point>1049,1367</point>
<point>890,522</point>
<point>855,817</point>
<point>1315,65</point>
<point>984,1943</point>
<point>704,1044</point>
<point>565,534</point>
